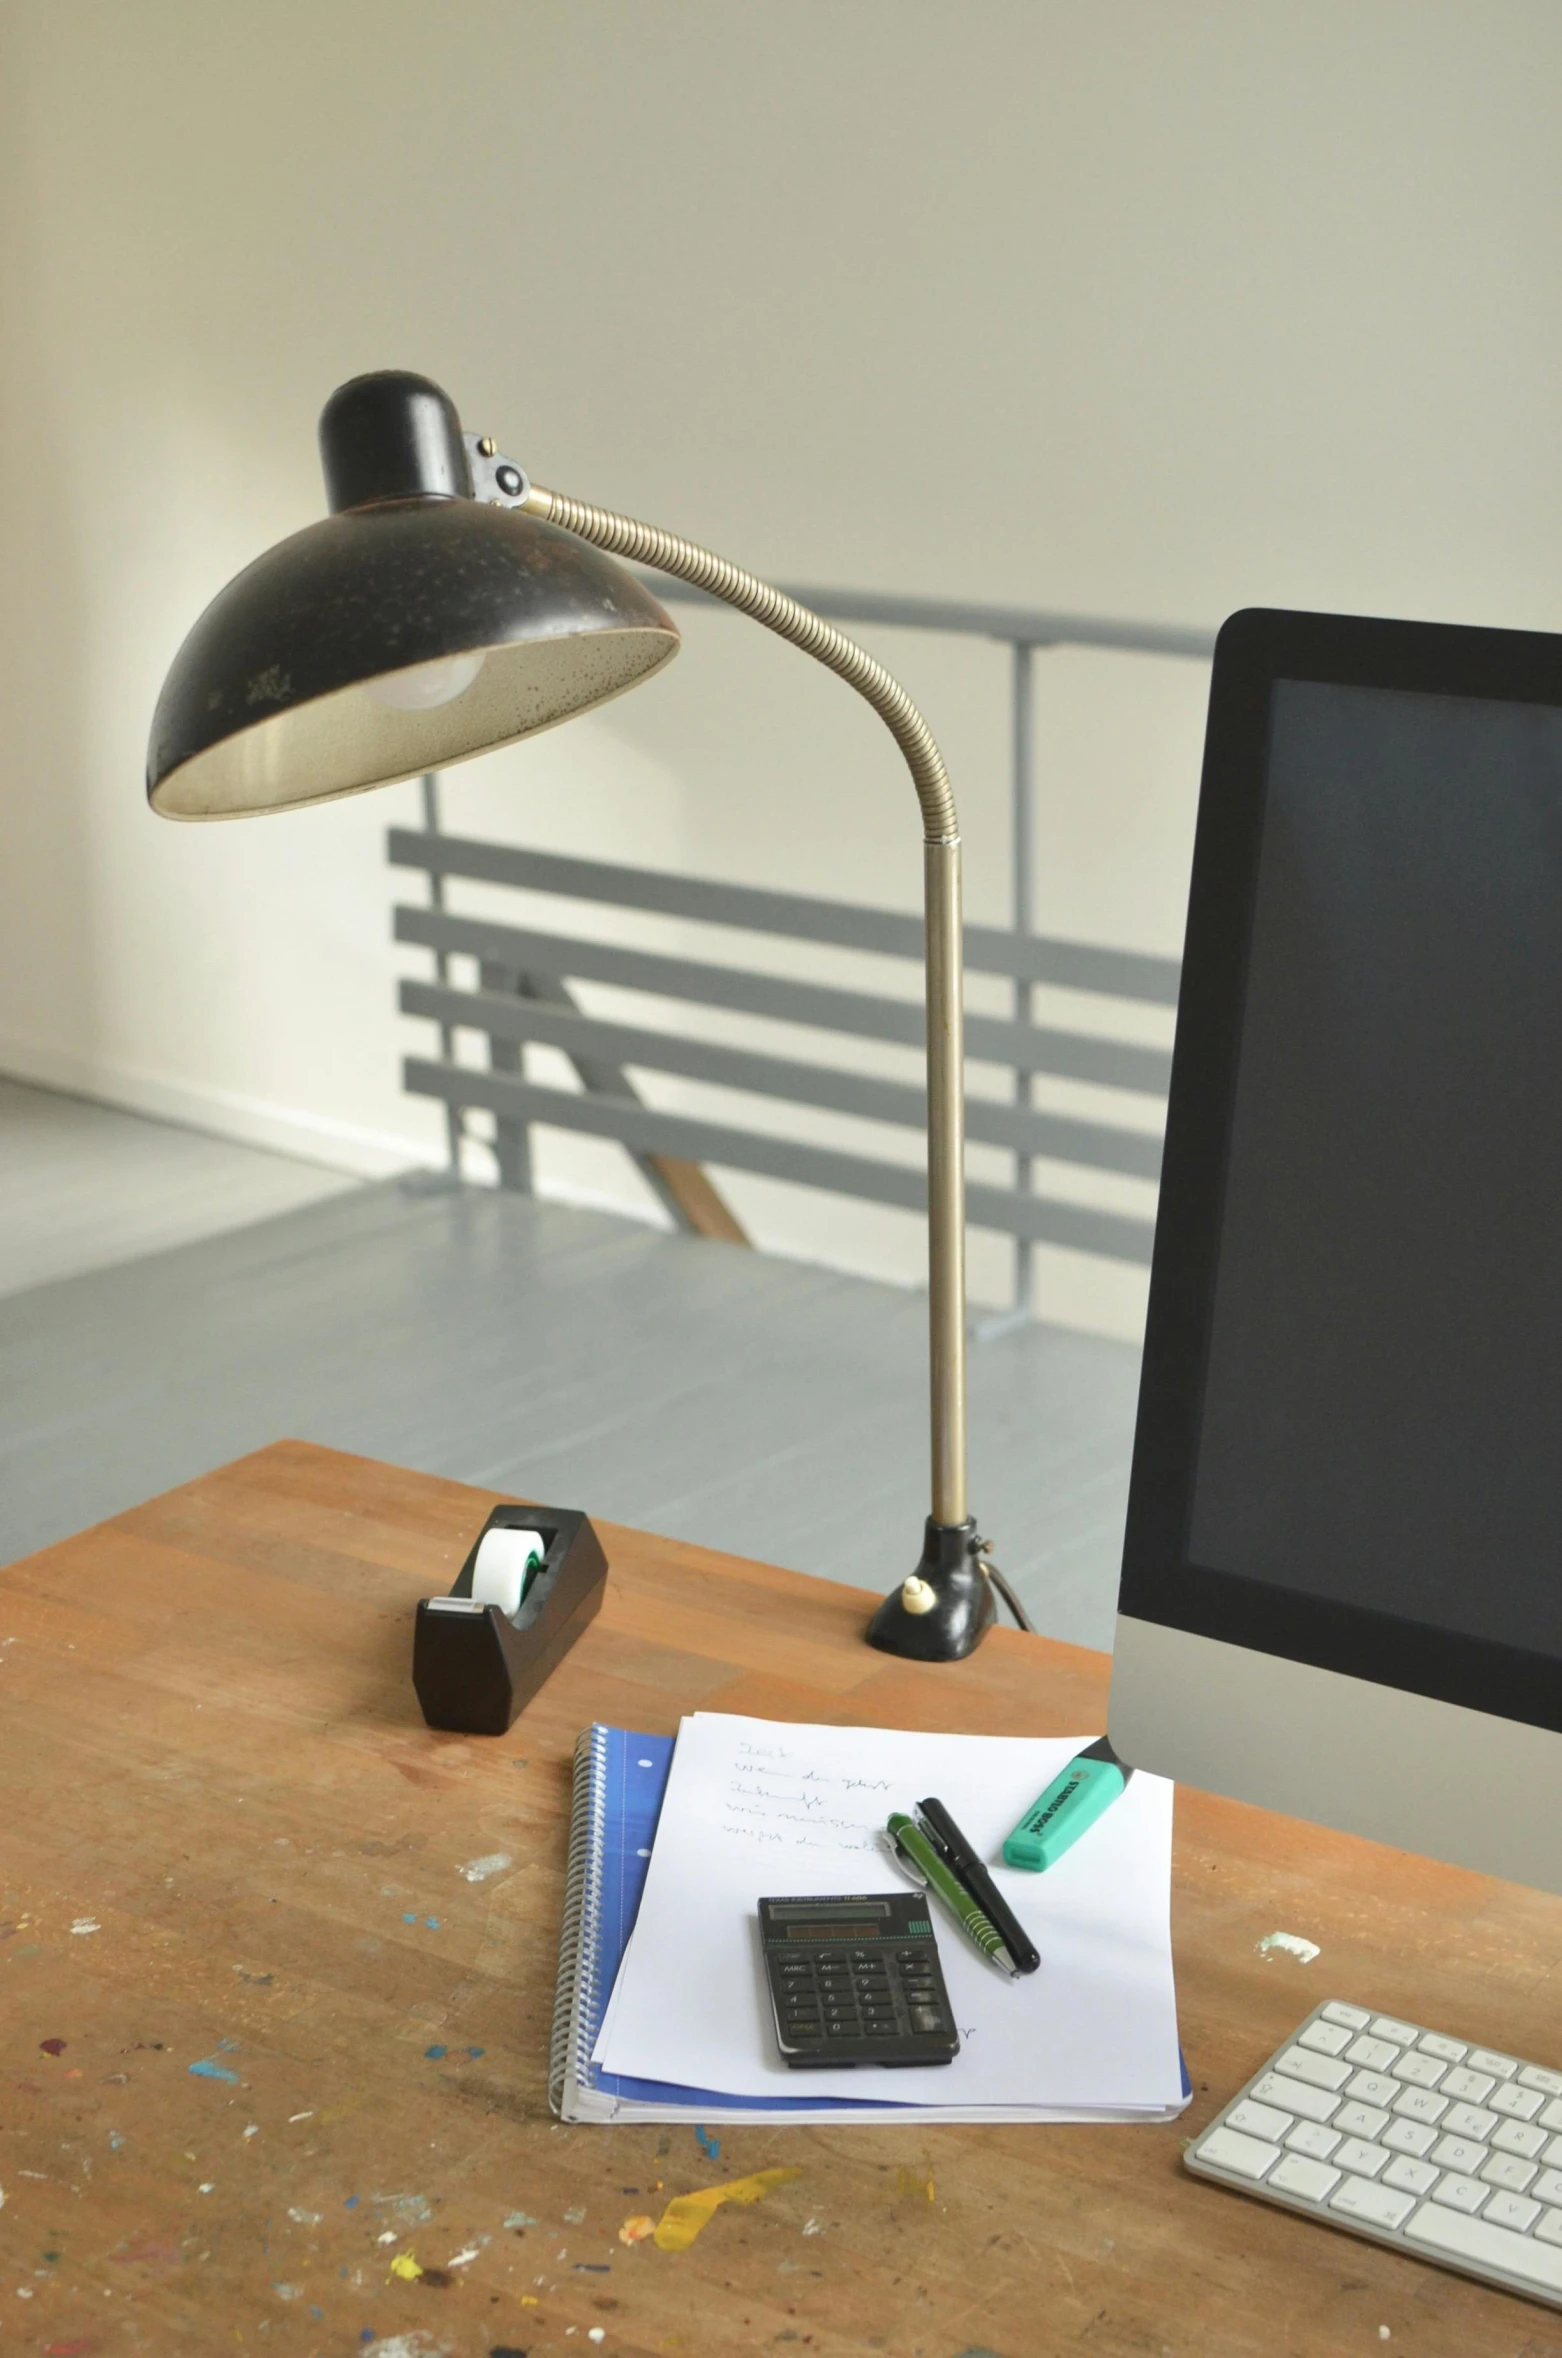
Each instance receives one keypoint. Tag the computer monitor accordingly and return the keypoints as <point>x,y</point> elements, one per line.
<point>1342,1577</point>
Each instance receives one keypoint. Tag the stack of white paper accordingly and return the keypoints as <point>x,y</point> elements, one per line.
<point>762,1808</point>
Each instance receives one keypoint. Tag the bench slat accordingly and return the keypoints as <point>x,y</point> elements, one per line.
<point>1023,1130</point>
<point>1042,1219</point>
<point>989,949</point>
<point>1029,1047</point>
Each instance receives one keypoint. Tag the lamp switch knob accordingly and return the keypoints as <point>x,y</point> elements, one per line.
<point>918,1596</point>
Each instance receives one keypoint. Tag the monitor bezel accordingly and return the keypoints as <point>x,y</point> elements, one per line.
<point>1255,649</point>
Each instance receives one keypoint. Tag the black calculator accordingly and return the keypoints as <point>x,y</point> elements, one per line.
<point>856,1980</point>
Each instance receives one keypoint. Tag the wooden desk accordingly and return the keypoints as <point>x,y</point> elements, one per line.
<point>230,1842</point>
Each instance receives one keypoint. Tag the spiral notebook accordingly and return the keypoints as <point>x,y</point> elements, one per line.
<point>620,1780</point>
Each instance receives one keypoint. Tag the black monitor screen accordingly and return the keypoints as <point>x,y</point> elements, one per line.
<point>1381,1420</point>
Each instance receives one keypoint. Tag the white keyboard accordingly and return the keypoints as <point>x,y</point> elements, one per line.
<point>1426,2143</point>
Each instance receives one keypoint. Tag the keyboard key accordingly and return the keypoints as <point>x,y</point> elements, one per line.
<point>1411,2177</point>
<point>1506,2169</point>
<point>1246,2157</point>
<point>1363,2159</point>
<point>1458,2153</point>
<point>1314,2104</point>
<point>1475,2087</point>
<point>1550,2228</point>
<point>1319,2071</point>
<point>1410,2136</point>
<point>1325,2038</point>
<point>1520,2137</point>
<point>1360,2120</point>
<point>1460,2194</point>
<point>1470,2120</point>
<point>1520,2104</point>
<point>1512,2210</point>
<point>1373,2088</point>
<point>1376,2054</point>
<point>1524,2256</point>
<point>1548,2186</point>
<point>1548,2082</point>
<point>1424,2070</point>
<point>1501,2067</point>
<point>1351,2017</point>
<point>1293,2173</point>
<point>1259,2120</point>
<point>1403,2034</point>
<point>1551,2117</point>
<point>1307,2137</point>
<point>1446,2050</point>
<point>1378,2206</point>
<point>1419,2104</point>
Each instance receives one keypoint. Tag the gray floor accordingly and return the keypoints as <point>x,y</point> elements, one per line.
<point>82,1186</point>
<point>693,1388</point>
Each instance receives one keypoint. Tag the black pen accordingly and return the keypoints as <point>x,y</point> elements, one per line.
<point>961,1859</point>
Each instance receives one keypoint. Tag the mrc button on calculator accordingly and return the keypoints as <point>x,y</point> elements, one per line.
<point>856,1980</point>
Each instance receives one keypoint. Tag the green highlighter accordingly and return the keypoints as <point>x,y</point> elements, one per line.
<point>1071,1804</point>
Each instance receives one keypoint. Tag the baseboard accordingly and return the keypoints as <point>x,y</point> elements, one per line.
<point>223,1113</point>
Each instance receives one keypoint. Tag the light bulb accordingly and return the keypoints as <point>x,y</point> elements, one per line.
<point>425,685</point>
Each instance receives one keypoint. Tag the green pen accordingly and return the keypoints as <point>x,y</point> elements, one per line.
<point>918,1854</point>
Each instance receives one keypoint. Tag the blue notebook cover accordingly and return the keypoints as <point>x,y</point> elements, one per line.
<point>620,1780</point>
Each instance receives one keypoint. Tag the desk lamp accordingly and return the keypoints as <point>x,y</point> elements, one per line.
<point>447,606</point>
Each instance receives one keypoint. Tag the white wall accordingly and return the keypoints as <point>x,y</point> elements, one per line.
<point>1148,310</point>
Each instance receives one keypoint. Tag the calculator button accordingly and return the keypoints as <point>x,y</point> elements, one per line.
<point>924,2019</point>
<point>840,2030</point>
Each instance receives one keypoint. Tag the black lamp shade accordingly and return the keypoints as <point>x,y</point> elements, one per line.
<point>266,706</point>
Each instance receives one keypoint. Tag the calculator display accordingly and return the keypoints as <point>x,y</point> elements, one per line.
<point>856,1981</point>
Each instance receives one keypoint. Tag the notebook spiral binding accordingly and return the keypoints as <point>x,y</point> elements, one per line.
<point>576,2006</point>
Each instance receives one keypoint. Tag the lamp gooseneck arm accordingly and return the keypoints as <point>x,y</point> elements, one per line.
<point>646,544</point>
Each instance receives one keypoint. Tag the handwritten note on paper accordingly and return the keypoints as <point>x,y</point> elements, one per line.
<point>759,1807</point>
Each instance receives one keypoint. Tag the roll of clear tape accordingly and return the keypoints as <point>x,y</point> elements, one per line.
<point>503,1560</point>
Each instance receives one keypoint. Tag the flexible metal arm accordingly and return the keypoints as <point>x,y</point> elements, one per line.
<point>646,544</point>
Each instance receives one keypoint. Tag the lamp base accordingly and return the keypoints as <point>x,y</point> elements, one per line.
<point>943,1612</point>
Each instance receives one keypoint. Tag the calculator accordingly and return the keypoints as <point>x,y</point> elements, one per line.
<point>856,1980</point>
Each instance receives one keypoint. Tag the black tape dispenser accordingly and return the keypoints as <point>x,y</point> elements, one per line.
<point>532,1582</point>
